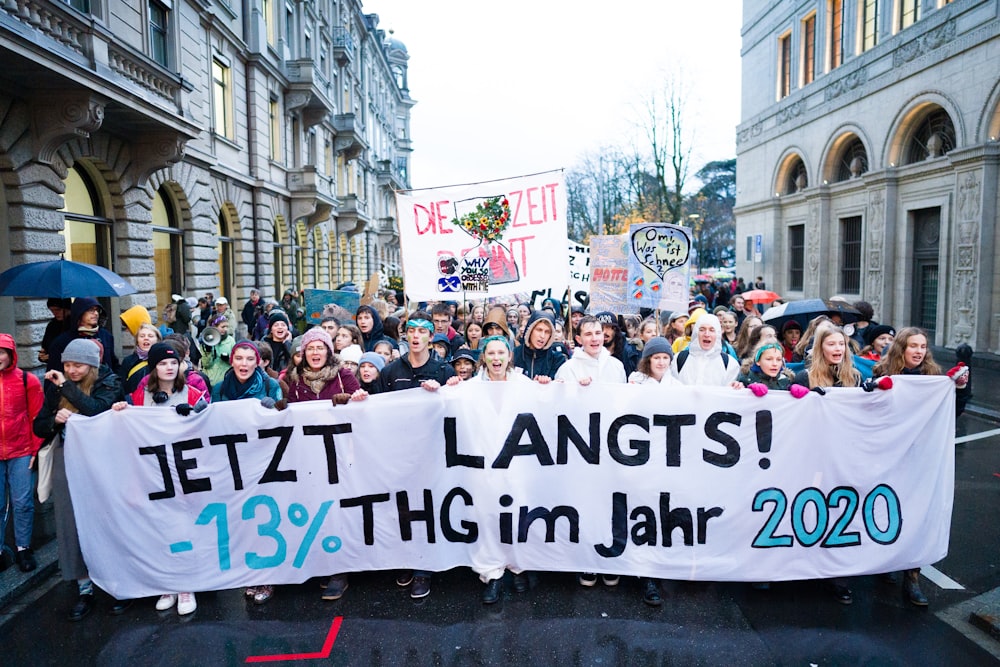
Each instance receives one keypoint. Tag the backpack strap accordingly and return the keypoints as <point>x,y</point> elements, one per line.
<point>682,357</point>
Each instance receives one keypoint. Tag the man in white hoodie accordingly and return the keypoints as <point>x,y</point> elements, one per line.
<point>703,362</point>
<point>591,361</point>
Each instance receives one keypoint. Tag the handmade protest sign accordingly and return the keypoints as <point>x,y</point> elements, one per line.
<point>658,266</point>
<point>490,239</point>
<point>682,483</point>
<point>609,274</point>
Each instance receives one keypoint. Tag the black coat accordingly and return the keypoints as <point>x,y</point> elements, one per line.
<point>106,390</point>
<point>399,374</point>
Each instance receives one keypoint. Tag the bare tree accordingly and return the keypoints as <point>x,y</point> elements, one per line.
<point>669,145</point>
<point>597,192</point>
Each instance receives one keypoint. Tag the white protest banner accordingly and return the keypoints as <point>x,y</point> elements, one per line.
<point>609,274</point>
<point>658,266</point>
<point>511,238</point>
<point>679,483</point>
<point>577,294</point>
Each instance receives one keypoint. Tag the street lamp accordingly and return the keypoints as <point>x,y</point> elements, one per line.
<point>693,220</point>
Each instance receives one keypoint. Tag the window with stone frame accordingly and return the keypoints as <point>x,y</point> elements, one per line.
<point>850,255</point>
<point>796,257</point>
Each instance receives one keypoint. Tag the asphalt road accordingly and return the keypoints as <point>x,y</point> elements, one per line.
<point>557,622</point>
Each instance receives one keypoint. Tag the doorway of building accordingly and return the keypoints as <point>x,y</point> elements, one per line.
<point>926,244</point>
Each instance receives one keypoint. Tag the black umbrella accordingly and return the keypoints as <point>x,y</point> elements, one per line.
<point>62,278</point>
<point>807,309</point>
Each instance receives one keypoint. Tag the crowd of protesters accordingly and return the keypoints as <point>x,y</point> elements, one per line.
<point>202,352</point>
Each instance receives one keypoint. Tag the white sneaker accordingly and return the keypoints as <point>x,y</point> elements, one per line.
<point>166,601</point>
<point>186,604</point>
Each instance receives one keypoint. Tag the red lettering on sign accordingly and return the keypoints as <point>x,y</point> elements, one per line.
<point>521,241</point>
<point>442,217</point>
<point>516,195</point>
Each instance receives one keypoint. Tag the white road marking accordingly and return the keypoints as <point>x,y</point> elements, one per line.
<point>940,579</point>
<point>977,436</point>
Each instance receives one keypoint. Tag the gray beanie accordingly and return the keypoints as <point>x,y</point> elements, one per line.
<point>656,345</point>
<point>83,351</point>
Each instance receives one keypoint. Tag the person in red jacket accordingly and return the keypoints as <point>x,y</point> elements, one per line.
<point>21,399</point>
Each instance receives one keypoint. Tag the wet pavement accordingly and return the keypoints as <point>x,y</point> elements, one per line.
<point>556,622</point>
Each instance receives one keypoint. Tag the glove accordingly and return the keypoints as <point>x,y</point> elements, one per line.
<point>758,388</point>
<point>960,374</point>
<point>341,399</point>
<point>871,384</point>
<point>798,391</point>
<point>819,390</point>
<point>267,402</point>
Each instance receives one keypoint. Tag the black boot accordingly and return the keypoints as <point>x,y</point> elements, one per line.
<point>651,593</point>
<point>25,559</point>
<point>491,594</point>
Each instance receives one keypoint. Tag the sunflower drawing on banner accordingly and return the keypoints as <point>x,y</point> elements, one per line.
<point>491,262</point>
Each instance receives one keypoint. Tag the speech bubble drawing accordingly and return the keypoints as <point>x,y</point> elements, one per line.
<point>660,249</point>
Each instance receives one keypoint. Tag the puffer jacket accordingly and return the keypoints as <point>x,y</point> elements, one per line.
<point>17,408</point>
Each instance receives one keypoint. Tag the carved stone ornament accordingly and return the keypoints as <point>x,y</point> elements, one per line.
<point>58,119</point>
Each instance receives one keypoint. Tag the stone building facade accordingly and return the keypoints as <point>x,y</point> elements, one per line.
<point>868,158</point>
<point>199,145</point>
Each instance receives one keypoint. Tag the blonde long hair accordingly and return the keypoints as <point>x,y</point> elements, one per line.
<point>85,384</point>
<point>823,374</point>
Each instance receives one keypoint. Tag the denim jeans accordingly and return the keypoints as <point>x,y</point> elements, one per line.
<point>16,477</point>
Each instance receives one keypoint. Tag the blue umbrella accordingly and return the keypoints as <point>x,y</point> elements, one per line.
<point>62,278</point>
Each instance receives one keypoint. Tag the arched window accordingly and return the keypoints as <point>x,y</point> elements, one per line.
<point>168,248</point>
<point>796,178</point>
<point>227,258</point>
<point>853,160</point>
<point>933,137</point>
<point>87,230</point>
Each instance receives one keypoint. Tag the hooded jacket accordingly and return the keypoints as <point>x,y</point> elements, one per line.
<point>534,362</point>
<point>712,367</point>
<point>498,315</point>
<point>377,333</point>
<point>20,402</point>
<point>81,305</point>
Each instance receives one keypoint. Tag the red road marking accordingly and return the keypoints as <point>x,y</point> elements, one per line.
<point>996,474</point>
<point>324,652</point>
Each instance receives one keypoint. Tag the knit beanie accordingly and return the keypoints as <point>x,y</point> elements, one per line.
<point>83,351</point>
<point>160,351</point>
<point>873,331</point>
<point>351,353</point>
<point>245,344</point>
<point>376,360</point>
<point>315,334</point>
<point>277,316</point>
<point>656,345</point>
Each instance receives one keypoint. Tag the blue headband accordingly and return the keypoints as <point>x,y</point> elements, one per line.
<point>503,339</point>
<point>769,346</point>
<point>420,324</point>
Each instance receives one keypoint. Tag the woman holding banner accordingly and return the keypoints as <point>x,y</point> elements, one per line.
<point>167,387</point>
<point>909,355</point>
<point>495,365</point>
<point>320,376</point>
<point>831,365</point>
<point>248,379</point>
<point>86,387</point>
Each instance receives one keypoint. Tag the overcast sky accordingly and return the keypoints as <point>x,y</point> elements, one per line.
<point>518,86</point>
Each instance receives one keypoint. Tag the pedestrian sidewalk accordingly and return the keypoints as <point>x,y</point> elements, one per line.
<point>14,584</point>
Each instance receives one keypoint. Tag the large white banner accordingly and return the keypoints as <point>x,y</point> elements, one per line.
<point>692,483</point>
<point>515,241</point>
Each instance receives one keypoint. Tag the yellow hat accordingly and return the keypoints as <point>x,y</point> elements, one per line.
<point>135,316</point>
